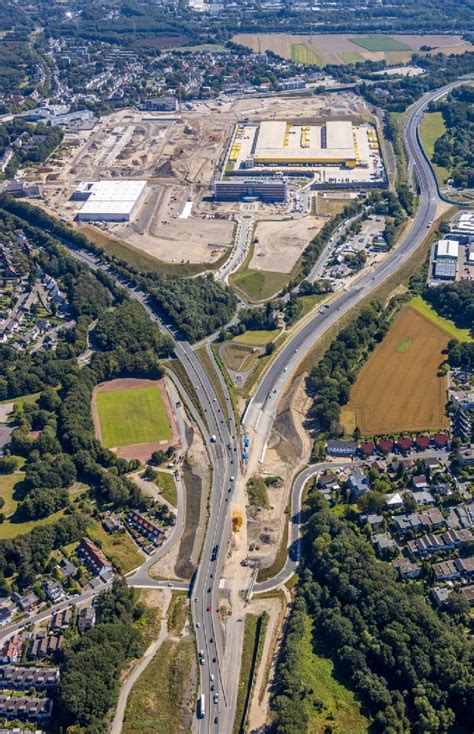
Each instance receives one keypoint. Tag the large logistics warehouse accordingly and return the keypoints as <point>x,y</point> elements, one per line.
<point>333,152</point>
<point>281,142</point>
<point>109,201</point>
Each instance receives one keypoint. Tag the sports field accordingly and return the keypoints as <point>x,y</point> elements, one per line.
<point>400,387</point>
<point>132,416</point>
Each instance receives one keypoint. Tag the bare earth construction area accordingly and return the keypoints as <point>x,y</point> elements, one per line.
<point>281,243</point>
<point>134,417</point>
<point>400,388</point>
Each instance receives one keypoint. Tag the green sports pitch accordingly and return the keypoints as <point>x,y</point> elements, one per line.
<point>135,415</point>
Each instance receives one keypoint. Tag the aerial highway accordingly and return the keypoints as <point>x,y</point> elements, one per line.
<point>260,411</point>
<point>218,668</point>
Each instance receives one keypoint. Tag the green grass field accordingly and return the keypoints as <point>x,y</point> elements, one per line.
<point>340,709</point>
<point>423,307</point>
<point>9,529</point>
<point>118,547</point>
<point>167,487</point>
<point>256,338</point>
<point>304,55</point>
<point>379,42</point>
<point>157,701</point>
<point>136,415</point>
<point>432,127</point>
<point>7,490</point>
<point>259,285</point>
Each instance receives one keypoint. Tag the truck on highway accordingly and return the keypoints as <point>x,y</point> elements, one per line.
<point>201,712</point>
<point>214,553</point>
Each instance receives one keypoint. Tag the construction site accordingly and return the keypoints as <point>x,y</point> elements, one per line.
<point>174,160</point>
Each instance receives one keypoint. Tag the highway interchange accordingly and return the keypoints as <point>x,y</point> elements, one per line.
<point>220,654</point>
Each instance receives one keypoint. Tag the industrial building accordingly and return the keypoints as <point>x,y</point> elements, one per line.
<point>268,190</point>
<point>109,201</point>
<point>333,152</point>
<point>447,249</point>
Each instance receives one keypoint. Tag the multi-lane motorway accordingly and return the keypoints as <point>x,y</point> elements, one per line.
<point>219,669</point>
<point>261,409</point>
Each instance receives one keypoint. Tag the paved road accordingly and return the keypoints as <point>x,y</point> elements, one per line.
<point>260,411</point>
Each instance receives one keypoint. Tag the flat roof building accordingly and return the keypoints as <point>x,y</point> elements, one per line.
<point>278,141</point>
<point>447,249</point>
<point>445,269</point>
<point>112,201</point>
<point>264,189</point>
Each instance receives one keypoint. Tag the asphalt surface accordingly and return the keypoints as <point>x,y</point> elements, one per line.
<point>260,411</point>
<point>224,450</point>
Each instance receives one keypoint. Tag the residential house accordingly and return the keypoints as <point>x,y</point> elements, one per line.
<point>358,483</point>
<point>419,482</point>
<point>446,541</point>
<point>367,448</point>
<point>394,501</point>
<point>404,444</point>
<point>19,678</point>
<point>441,440</point>
<point>423,497</point>
<point>11,650</point>
<point>5,616</point>
<point>384,544</point>
<point>112,524</point>
<point>466,455</point>
<point>86,619</point>
<point>328,480</point>
<point>93,557</point>
<point>61,620</point>
<point>26,603</point>
<point>440,595</point>
<point>54,591</point>
<point>457,568</point>
<point>432,519</point>
<point>67,568</point>
<point>31,709</point>
<point>422,442</point>
<point>462,516</point>
<point>375,522</point>
<point>341,448</point>
<point>406,568</point>
<point>406,523</point>
<point>468,593</point>
<point>144,526</point>
<point>385,445</point>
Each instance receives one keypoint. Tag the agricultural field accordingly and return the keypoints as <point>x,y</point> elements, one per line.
<point>304,55</point>
<point>341,48</point>
<point>400,387</point>
<point>340,708</point>
<point>432,127</point>
<point>379,42</point>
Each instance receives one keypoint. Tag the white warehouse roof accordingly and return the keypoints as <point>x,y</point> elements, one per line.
<point>111,199</point>
<point>447,248</point>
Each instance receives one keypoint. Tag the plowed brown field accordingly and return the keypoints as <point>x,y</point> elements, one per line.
<point>399,389</point>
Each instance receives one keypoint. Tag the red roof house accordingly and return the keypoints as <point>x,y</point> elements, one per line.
<point>385,445</point>
<point>422,441</point>
<point>404,443</point>
<point>441,440</point>
<point>367,448</point>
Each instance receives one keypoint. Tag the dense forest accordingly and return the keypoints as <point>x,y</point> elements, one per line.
<point>409,667</point>
<point>454,150</point>
<point>455,301</point>
<point>94,661</point>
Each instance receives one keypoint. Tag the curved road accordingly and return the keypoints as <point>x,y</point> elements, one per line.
<point>260,411</point>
